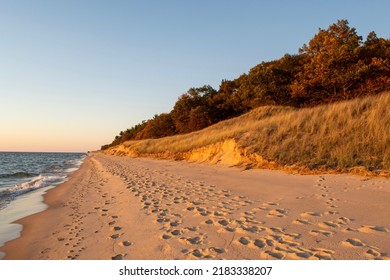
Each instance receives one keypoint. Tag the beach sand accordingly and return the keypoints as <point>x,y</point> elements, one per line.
<point>134,208</point>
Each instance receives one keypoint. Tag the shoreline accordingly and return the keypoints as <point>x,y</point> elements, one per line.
<point>195,211</point>
<point>24,206</point>
<point>22,193</point>
<point>48,197</point>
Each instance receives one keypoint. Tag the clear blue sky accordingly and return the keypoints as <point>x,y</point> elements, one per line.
<point>75,73</point>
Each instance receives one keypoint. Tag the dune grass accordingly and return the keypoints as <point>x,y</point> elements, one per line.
<point>342,135</point>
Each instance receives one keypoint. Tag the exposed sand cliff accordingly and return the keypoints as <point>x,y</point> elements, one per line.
<point>226,152</point>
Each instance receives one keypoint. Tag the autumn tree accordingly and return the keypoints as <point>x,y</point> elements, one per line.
<point>375,53</point>
<point>199,118</point>
<point>160,126</point>
<point>333,65</point>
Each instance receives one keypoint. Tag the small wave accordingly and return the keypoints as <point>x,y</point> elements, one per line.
<point>72,169</point>
<point>75,162</point>
<point>36,183</point>
<point>18,175</point>
<point>51,175</point>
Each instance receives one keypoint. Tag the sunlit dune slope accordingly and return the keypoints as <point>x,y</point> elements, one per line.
<point>345,136</point>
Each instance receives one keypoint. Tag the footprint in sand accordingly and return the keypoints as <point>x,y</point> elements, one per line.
<point>230,229</point>
<point>344,220</point>
<point>223,222</point>
<point>252,229</point>
<point>271,204</point>
<point>376,254</point>
<point>330,202</point>
<point>322,232</point>
<point>373,229</point>
<point>276,230</point>
<point>354,242</point>
<point>301,222</point>
<point>47,250</point>
<point>219,214</point>
<point>114,236</point>
<point>116,228</point>
<point>244,240</point>
<point>218,250</point>
<point>322,255</point>
<point>284,240</point>
<point>260,243</point>
<point>332,213</point>
<point>311,214</point>
<point>304,255</point>
<point>194,240</point>
<point>280,213</point>
<point>349,229</point>
<point>118,257</point>
<point>174,224</point>
<point>328,224</point>
<point>176,232</point>
<point>125,243</point>
<point>276,255</point>
<point>197,253</point>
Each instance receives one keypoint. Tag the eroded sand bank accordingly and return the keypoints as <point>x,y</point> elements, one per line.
<point>125,208</point>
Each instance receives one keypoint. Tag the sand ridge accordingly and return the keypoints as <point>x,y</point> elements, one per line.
<point>124,208</point>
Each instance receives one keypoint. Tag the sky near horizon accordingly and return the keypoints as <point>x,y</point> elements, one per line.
<point>73,74</point>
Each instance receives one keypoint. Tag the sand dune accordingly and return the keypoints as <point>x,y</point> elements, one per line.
<point>126,208</point>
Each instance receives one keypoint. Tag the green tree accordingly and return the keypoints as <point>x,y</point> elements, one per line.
<point>270,82</point>
<point>187,102</point>
<point>222,105</point>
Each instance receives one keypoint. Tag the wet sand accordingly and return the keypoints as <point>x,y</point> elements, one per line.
<point>132,208</point>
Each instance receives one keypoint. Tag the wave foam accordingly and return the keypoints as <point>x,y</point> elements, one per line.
<point>36,183</point>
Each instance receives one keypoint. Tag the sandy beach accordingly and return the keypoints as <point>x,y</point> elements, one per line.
<point>134,208</point>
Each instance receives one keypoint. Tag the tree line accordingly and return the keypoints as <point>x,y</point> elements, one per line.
<point>335,65</point>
